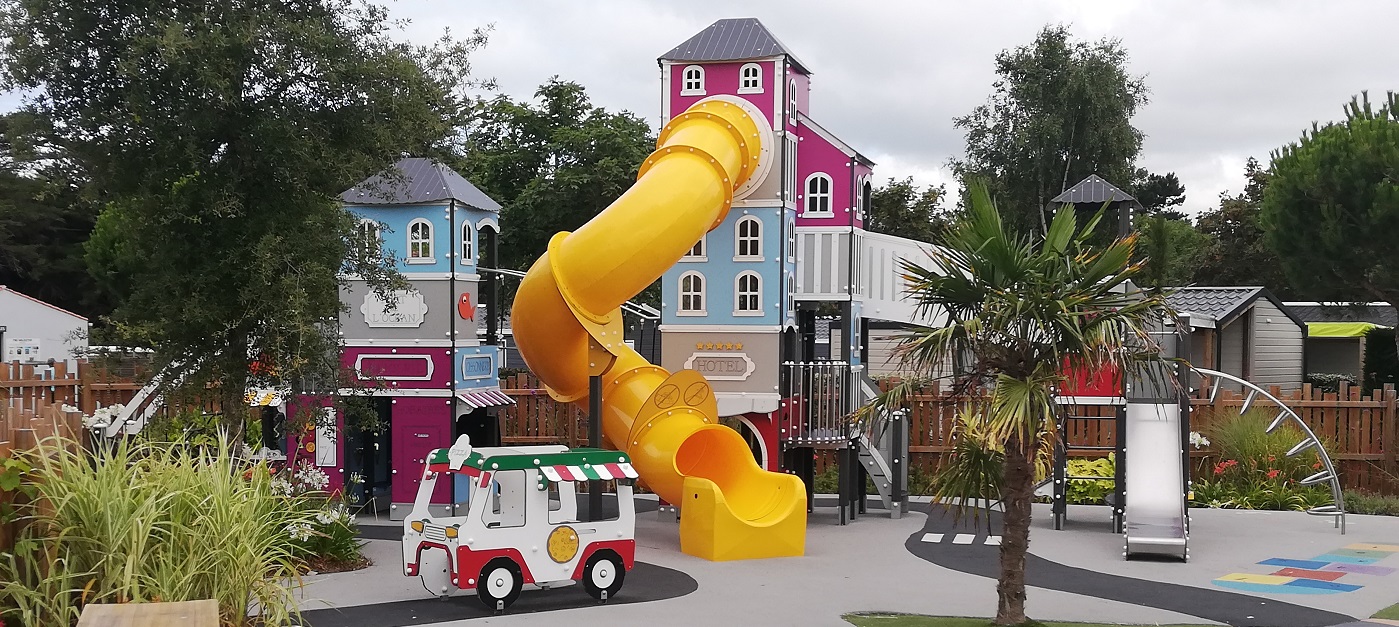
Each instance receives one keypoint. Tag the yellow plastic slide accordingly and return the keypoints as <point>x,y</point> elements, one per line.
<point>567,324</point>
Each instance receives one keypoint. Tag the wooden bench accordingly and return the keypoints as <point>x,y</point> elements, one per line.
<point>181,614</point>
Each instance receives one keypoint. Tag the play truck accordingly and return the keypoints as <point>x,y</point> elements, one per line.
<point>521,525</point>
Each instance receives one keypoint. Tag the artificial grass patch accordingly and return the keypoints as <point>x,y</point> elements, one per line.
<point>1389,613</point>
<point>919,620</point>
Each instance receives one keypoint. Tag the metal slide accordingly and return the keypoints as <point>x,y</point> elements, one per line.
<point>1156,499</point>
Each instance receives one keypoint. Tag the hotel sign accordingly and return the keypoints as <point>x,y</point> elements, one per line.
<point>721,366</point>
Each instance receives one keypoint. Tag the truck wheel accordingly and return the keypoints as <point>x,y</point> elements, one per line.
<point>500,583</point>
<point>603,575</point>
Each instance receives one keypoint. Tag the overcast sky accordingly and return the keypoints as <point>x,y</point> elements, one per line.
<point>1227,79</point>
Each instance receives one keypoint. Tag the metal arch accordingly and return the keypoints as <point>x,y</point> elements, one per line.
<point>1338,508</point>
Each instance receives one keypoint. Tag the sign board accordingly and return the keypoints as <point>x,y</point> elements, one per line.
<point>476,366</point>
<point>409,310</point>
<point>721,366</point>
<point>22,349</point>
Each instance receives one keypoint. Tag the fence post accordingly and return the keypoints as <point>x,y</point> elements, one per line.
<point>1391,432</point>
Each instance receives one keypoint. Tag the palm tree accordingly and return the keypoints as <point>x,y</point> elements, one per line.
<point>1019,308</point>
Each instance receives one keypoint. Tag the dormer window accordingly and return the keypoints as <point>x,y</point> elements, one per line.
<point>750,79</point>
<point>420,241</point>
<point>792,101</point>
<point>818,195</point>
<point>693,81</point>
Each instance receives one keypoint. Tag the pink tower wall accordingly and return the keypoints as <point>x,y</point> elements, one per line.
<point>815,154</point>
<point>720,78</point>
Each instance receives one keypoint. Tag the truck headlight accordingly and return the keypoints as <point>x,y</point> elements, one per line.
<point>417,526</point>
<point>451,532</point>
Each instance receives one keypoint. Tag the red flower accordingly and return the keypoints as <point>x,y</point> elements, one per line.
<point>1273,474</point>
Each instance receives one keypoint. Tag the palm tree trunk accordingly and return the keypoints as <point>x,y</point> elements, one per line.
<point>1018,491</point>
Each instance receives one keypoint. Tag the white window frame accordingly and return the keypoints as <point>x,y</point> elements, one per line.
<point>468,246</point>
<point>807,197</point>
<point>698,81</point>
<point>425,243</point>
<point>369,229</point>
<point>740,295</point>
<point>756,86</point>
<point>700,251</point>
<point>680,309</point>
<point>792,101</point>
<point>790,167</point>
<point>756,239</point>
<point>791,226</point>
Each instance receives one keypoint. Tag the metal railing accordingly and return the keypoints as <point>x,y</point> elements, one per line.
<point>823,395</point>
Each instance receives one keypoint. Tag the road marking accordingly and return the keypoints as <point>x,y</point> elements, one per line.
<point>932,537</point>
<point>963,538</point>
<point>993,541</point>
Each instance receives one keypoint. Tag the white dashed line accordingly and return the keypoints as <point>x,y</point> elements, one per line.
<point>993,541</point>
<point>932,537</point>
<point>963,538</point>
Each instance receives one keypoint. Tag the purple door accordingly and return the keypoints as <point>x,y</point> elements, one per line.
<point>411,445</point>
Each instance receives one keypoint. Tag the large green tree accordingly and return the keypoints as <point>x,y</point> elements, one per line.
<point>900,208</point>
<point>1331,209</point>
<point>1022,306</point>
<point>1061,109</point>
<point>1236,252</point>
<point>553,162</point>
<point>216,134</point>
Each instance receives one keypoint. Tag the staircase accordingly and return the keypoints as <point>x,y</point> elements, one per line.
<point>881,446</point>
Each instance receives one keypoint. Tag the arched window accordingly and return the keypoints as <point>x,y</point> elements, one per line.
<point>866,192</point>
<point>691,294</point>
<point>468,256</point>
<point>693,84</point>
<point>818,194</point>
<point>792,102</point>
<point>750,79</point>
<point>748,239</point>
<point>367,239</point>
<point>698,252</point>
<point>748,294</point>
<point>420,241</point>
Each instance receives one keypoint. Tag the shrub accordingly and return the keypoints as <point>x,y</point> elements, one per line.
<point>146,523</point>
<point>1358,502</point>
<point>1329,381</point>
<point>1091,492</point>
<point>1381,363</point>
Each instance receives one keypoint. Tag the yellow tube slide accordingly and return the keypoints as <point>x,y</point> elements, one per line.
<point>567,324</point>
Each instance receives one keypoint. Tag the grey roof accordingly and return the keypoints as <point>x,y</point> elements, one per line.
<point>1224,304</point>
<point>1374,313</point>
<point>418,180</point>
<point>1092,190</point>
<point>732,39</point>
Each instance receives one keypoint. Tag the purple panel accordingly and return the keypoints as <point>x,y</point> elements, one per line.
<point>1360,569</point>
<point>721,79</point>
<point>400,368</point>
<point>815,154</point>
<point>297,445</point>
<point>420,424</point>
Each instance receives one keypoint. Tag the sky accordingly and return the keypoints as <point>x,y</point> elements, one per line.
<point>1228,80</point>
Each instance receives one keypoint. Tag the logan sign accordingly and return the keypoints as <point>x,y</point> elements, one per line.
<point>721,366</point>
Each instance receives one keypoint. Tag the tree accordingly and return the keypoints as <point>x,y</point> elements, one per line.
<point>216,135</point>
<point>1022,307</point>
<point>1060,110</point>
<point>553,163</point>
<point>1332,207</point>
<point>900,208</point>
<point>1172,250</point>
<point>1236,252</point>
<point>1159,193</point>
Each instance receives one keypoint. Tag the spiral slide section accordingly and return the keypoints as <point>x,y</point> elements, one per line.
<point>568,326</point>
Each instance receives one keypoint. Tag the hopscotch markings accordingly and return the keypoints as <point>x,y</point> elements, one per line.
<point>993,541</point>
<point>932,537</point>
<point>963,538</point>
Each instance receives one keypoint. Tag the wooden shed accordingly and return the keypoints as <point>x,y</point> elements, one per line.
<point>1246,332</point>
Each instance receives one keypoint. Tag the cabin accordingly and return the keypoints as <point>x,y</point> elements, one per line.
<point>1246,332</point>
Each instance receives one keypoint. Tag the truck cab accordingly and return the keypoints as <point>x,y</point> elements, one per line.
<point>521,525</point>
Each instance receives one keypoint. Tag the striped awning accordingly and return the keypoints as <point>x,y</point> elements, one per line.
<point>492,397</point>
<point>262,397</point>
<point>588,472</point>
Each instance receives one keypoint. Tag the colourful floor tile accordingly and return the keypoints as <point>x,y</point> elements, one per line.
<point>1272,580</point>
<point>1346,559</point>
<point>1390,548</point>
<point>1320,575</point>
<point>1378,555</point>
<point>1322,585</point>
<point>1266,588</point>
<point>1287,563</point>
<point>1360,569</point>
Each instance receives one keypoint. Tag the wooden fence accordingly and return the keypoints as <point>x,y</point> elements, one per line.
<point>20,432</point>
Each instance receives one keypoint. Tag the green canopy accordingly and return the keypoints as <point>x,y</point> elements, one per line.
<point>1338,329</point>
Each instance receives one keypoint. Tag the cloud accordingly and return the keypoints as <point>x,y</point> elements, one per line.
<point>1228,80</point>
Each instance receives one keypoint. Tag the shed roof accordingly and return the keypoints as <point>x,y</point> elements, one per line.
<point>1224,304</point>
<point>1092,190</point>
<point>49,305</point>
<point>1382,314</point>
<point>417,180</point>
<point>733,39</point>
